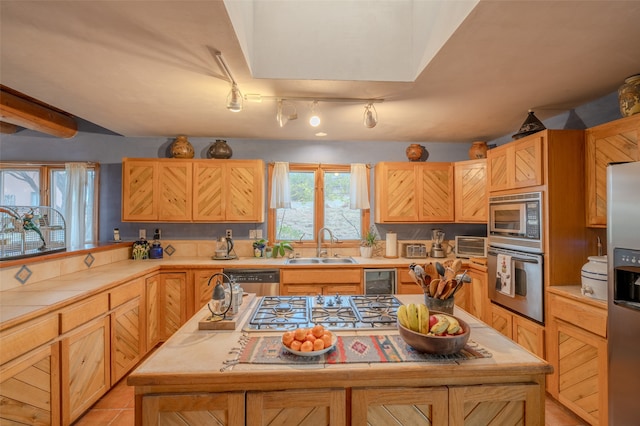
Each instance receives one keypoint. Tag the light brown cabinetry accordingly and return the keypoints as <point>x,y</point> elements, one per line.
<point>152,311</point>
<point>410,192</point>
<point>577,342</point>
<point>524,332</point>
<point>156,190</point>
<point>516,164</point>
<point>311,282</point>
<point>202,291</point>
<point>478,299</point>
<point>406,285</point>
<point>127,327</point>
<point>194,409</point>
<point>297,407</point>
<point>172,190</point>
<point>471,191</point>
<point>229,191</point>
<point>84,367</point>
<point>30,386</point>
<point>172,302</point>
<point>612,142</point>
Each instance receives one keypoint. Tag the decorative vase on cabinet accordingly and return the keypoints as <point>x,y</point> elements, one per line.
<point>414,152</point>
<point>478,150</point>
<point>220,149</point>
<point>629,96</point>
<point>181,148</point>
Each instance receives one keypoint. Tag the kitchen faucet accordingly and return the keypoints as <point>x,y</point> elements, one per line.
<point>320,231</point>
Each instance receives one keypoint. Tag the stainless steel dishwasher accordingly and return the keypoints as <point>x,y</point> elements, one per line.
<point>262,282</point>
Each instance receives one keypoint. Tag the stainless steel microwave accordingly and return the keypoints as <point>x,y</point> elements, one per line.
<point>515,221</point>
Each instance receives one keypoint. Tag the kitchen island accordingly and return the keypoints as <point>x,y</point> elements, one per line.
<point>190,377</point>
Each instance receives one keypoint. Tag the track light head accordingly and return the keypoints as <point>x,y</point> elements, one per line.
<point>370,116</point>
<point>314,121</point>
<point>234,99</point>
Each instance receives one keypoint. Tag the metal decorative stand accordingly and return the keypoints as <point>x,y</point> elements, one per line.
<point>27,231</point>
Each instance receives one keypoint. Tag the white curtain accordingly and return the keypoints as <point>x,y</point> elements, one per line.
<point>75,204</point>
<point>359,188</point>
<point>280,194</point>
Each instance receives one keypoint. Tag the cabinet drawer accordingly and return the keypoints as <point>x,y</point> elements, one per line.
<point>321,276</point>
<point>83,312</point>
<point>579,314</point>
<point>125,292</point>
<point>25,337</point>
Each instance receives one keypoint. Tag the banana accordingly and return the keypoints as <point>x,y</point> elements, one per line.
<point>454,325</point>
<point>402,316</point>
<point>424,319</point>
<point>412,313</point>
<point>441,326</point>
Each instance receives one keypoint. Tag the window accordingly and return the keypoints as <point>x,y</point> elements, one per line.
<point>24,184</point>
<point>319,198</point>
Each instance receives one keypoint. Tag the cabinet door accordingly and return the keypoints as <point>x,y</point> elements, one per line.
<point>498,168</point>
<point>202,290</point>
<point>529,335</point>
<point>478,294</point>
<point>194,409</point>
<point>29,388</point>
<point>85,367</point>
<point>435,183</point>
<point>296,407</point>
<point>396,192</point>
<point>208,191</point>
<point>407,406</point>
<point>152,317</point>
<point>245,191</point>
<point>127,338</point>
<point>516,404</point>
<point>406,285</point>
<point>173,302</point>
<point>471,191</point>
<point>501,320</point>
<point>527,162</point>
<point>608,143</point>
<point>581,368</point>
<point>175,191</point>
<point>139,190</point>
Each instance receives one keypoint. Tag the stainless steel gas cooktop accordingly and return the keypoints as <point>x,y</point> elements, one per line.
<point>277,313</point>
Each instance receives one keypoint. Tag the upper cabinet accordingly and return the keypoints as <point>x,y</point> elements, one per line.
<point>471,191</point>
<point>414,192</point>
<point>516,164</point>
<point>612,142</point>
<point>175,190</point>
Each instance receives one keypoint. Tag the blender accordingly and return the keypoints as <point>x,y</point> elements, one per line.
<point>437,235</point>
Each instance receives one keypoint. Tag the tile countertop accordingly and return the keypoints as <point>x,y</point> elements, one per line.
<point>31,300</point>
<point>192,352</point>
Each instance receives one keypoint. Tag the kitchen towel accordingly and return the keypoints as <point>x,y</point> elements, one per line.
<point>351,349</point>
<point>504,284</point>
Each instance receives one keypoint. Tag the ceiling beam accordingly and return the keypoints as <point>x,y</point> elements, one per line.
<point>7,128</point>
<point>29,113</point>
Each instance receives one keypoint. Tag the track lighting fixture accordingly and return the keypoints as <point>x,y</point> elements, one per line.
<point>314,121</point>
<point>286,112</point>
<point>370,116</point>
<point>234,98</point>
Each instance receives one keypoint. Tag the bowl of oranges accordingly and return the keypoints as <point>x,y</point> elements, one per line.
<point>309,341</point>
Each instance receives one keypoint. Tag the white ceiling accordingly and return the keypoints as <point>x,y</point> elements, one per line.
<point>148,68</point>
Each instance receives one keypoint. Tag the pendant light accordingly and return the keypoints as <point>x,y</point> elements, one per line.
<point>370,116</point>
<point>234,99</point>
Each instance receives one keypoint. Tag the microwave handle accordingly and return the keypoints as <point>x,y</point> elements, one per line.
<point>514,258</point>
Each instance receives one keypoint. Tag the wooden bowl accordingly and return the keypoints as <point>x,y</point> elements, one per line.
<point>431,344</point>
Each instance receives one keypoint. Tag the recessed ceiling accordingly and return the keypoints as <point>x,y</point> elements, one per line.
<point>148,68</point>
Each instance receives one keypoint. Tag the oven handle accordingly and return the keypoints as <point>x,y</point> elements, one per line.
<point>515,258</point>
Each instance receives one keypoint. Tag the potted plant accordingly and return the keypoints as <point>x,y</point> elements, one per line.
<point>280,248</point>
<point>368,243</point>
<point>259,246</point>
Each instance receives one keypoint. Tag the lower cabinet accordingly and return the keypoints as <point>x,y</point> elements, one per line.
<point>406,285</point>
<point>29,388</point>
<point>85,367</point>
<point>297,407</point>
<point>201,288</point>
<point>152,311</point>
<point>127,328</point>
<point>310,282</point>
<point>577,343</point>
<point>194,409</point>
<point>172,302</point>
<point>407,406</point>
<point>526,333</point>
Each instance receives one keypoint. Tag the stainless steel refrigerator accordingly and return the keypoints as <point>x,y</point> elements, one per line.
<point>623,327</point>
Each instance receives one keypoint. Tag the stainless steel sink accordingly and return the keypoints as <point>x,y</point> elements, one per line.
<point>321,260</point>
